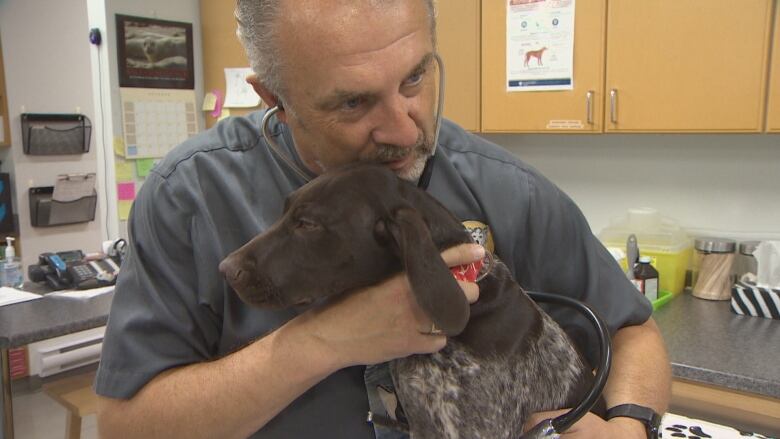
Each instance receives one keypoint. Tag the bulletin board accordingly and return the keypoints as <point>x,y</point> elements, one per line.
<point>221,48</point>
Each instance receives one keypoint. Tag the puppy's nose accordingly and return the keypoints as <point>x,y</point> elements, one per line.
<point>234,271</point>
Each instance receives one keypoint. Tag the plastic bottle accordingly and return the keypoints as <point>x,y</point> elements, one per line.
<point>11,266</point>
<point>646,278</point>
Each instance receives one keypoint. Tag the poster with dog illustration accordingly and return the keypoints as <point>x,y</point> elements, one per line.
<point>540,45</point>
<point>154,53</point>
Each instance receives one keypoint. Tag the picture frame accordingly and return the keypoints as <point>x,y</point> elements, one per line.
<point>154,53</point>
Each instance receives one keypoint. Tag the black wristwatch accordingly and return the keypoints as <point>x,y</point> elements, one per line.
<point>645,415</point>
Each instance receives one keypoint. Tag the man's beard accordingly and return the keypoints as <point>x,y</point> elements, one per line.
<point>422,150</point>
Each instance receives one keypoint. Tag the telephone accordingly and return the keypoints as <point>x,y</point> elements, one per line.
<point>68,269</point>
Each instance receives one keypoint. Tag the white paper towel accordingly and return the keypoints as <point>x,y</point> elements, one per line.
<point>767,256</point>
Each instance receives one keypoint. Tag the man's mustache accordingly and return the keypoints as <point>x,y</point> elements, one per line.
<point>387,152</point>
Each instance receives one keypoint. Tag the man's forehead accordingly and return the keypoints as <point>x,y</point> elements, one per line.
<point>349,26</point>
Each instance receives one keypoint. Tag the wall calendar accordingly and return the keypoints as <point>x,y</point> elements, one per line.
<point>155,120</point>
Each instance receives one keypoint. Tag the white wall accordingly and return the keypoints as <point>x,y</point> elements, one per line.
<point>721,184</point>
<point>47,69</point>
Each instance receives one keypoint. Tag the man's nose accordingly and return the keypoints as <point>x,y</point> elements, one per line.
<point>396,123</point>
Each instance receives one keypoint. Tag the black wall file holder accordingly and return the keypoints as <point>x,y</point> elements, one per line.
<point>53,134</point>
<point>45,212</point>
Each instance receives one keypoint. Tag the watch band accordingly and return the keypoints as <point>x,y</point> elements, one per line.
<point>646,415</point>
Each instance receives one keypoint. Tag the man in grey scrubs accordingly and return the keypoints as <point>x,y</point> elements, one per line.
<point>183,357</point>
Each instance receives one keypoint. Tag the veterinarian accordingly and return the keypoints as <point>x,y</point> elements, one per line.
<point>183,357</point>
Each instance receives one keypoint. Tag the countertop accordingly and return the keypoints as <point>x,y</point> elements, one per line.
<point>710,344</point>
<point>707,342</point>
<point>51,316</point>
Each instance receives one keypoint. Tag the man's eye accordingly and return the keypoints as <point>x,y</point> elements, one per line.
<point>351,104</point>
<point>415,78</point>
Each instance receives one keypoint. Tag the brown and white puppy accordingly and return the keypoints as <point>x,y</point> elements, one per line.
<point>505,358</point>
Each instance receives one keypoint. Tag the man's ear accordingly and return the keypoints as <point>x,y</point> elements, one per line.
<point>269,98</point>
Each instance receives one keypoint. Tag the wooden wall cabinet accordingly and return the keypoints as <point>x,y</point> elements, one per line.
<point>773,103</point>
<point>687,66</point>
<point>504,111</point>
<point>648,66</point>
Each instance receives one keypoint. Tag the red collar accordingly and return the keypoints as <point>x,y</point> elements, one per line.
<point>475,271</point>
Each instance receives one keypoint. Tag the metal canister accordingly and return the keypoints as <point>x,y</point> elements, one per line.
<point>713,274</point>
<point>745,263</point>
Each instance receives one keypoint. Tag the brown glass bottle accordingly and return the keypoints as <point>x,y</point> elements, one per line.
<point>646,278</point>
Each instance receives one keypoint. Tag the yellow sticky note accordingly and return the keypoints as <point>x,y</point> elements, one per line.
<point>225,113</point>
<point>119,146</point>
<point>124,209</point>
<point>124,171</point>
<point>209,102</point>
<point>143,166</point>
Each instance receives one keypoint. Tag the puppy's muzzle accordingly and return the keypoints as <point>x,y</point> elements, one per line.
<point>237,271</point>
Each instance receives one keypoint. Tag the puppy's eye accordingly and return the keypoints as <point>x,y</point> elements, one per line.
<point>306,225</point>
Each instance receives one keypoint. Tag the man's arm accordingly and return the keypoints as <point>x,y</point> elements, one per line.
<point>640,374</point>
<point>239,393</point>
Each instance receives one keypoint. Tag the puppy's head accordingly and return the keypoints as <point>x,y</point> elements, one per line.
<point>349,229</point>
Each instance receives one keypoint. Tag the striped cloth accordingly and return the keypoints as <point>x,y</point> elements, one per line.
<point>748,299</point>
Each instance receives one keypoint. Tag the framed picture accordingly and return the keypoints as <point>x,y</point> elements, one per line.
<point>154,53</point>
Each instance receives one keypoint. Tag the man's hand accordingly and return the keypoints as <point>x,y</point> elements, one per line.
<point>382,322</point>
<point>592,426</point>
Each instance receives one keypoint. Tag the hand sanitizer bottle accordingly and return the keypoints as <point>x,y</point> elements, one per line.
<point>11,266</point>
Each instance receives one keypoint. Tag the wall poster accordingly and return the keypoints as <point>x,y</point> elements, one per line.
<point>154,53</point>
<point>540,45</point>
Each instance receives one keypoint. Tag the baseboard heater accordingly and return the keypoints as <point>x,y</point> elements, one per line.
<point>55,355</point>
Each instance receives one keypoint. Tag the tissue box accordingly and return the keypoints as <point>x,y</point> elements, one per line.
<point>750,300</point>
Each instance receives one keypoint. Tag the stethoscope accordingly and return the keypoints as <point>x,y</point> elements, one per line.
<point>549,428</point>
<point>425,177</point>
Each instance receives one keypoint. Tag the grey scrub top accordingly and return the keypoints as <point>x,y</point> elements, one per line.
<point>217,190</point>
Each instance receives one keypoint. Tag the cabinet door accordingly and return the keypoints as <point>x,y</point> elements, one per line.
<point>773,112</point>
<point>686,66</point>
<point>544,111</point>
<point>458,27</point>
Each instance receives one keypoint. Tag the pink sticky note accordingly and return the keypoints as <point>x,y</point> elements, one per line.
<point>126,191</point>
<point>218,105</point>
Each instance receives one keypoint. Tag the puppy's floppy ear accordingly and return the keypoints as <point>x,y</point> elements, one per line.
<point>434,287</point>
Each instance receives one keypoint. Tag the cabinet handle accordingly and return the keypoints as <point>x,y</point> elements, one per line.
<point>613,105</point>
<point>589,106</point>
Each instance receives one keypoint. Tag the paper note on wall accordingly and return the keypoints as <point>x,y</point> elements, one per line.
<point>209,102</point>
<point>144,166</point>
<point>126,191</point>
<point>124,171</point>
<point>119,146</point>
<point>239,94</point>
<point>124,207</point>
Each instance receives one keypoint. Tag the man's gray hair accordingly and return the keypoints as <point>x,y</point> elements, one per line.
<point>257,29</point>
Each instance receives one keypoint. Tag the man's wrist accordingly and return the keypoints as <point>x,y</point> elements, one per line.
<point>630,427</point>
